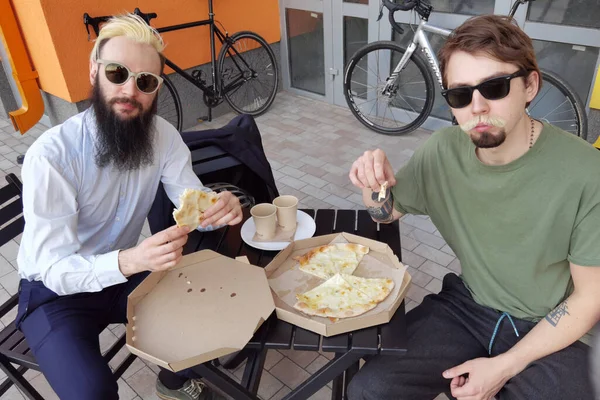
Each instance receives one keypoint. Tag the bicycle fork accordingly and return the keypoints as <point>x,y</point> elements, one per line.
<point>390,83</point>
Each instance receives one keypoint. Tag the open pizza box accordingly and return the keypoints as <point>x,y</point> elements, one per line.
<point>286,280</point>
<point>206,307</point>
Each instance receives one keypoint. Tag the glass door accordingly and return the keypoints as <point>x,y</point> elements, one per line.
<point>318,37</point>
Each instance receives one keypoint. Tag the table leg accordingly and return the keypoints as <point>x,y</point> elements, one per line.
<point>348,375</point>
<point>223,382</point>
<point>253,370</point>
<point>327,373</point>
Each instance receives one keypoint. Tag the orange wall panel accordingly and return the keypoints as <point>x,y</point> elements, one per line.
<point>55,33</point>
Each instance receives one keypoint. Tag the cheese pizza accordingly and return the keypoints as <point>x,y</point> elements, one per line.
<point>344,296</point>
<point>192,204</point>
<point>328,260</point>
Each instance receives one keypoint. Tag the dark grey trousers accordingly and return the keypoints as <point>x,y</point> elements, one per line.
<point>448,329</point>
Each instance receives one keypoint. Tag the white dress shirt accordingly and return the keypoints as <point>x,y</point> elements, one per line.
<point>78,216</point>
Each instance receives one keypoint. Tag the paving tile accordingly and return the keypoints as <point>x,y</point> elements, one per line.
<point>314,171</point>
<point>312,161</point>
<point>405,229</point>
<point>137,365</point>
<point>10,250</point>
<point>338,190</point>
<point>410,305</point>
<point>12,394</point>
<point>315,192</point>
<point>314,181</point>
<point>273,357</point>
<point>419,278</point>
<point>427,238</point>
<point>269,385</point>
<point>107,339</point>
<point>412,259</point>
<point>293,182</point>
<point>43,387</point>
<point>125,391</point>
<point>302,358</point>
<point>10,282</point>
<point>435,286</point>
<point>417,293</point>
<point>5,266</point>
<point>316,203</point>
<point>408,243</point>
<point>338,202</point>
<point>281,394</point>
<point>143,383</point>
<point>356,199</point>
<point>433,254</point>
<point>323,394</point>
<point>289,373</point>
<point>434,269</point>
<point>448,250</point>
<point>275,164</point>
<point>337,178</point>
<point>291,171</point>
<point>455,266</point>
<point>317,364</point>
<point>420,223</point>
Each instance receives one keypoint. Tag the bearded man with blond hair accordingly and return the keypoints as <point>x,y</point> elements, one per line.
<point>88,185</point>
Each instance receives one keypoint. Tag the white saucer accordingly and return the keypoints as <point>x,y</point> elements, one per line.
<point>306,228</point>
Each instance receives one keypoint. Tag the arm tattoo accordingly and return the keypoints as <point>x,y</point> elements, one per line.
<point>384,212</point>
<point>555,315</point>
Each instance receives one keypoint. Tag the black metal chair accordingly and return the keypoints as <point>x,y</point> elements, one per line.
<point>13,346</point>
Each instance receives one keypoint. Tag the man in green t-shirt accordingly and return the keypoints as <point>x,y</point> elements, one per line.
<point>514,199</point>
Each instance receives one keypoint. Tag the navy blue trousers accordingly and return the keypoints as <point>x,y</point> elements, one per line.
<point>63,332</point>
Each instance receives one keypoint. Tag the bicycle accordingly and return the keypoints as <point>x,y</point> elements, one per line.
<point>377,79</point>
<point>245,74</point>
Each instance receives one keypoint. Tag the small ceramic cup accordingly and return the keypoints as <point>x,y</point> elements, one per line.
<point>265,219</point>
<point>287,208</point>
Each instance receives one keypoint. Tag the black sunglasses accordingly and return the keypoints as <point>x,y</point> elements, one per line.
<point>117,73</point>
<point>492,89</point>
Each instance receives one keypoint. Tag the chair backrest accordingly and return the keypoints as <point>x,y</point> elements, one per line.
<point>11,209</point>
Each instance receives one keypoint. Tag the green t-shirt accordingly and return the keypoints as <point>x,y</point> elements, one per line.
<point>513,227</point>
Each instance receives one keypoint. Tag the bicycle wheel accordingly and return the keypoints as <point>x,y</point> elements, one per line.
<point>557,104</point>
<point>248,73</point>
<point>169,105</point>
<point>409,101</point>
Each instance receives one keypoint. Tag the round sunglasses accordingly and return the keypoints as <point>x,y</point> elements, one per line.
<point>119,74</point>
<point>492,89</point>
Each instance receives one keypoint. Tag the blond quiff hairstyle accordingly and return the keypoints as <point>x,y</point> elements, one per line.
<point>132,27</point>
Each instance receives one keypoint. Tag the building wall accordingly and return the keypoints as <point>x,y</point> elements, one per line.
<point>57,40</point>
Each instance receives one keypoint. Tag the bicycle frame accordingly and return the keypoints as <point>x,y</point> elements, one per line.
<point>419,39</point>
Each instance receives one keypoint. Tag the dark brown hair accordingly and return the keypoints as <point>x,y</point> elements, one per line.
<point>498,37</point>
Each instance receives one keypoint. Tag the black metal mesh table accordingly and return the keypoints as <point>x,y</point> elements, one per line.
<point>348,348</point>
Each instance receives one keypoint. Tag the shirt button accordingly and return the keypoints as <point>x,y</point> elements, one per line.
<point>118,219</point>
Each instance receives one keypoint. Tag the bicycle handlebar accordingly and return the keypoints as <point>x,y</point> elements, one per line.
<point>393,7</point>
<point>96,21</point>
<point>146,17</point>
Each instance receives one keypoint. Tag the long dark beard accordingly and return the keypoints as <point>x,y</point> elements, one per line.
<point>127,144</point>
<point>486,140</point>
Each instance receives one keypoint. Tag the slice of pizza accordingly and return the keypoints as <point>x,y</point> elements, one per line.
<point>344,296</point>
<point>192,204</point>
<point>328,260</point>
<point>377,289</point>
<point>334,298</point>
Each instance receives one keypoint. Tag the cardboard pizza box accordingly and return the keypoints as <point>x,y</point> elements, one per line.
<point>286,280</point>
<point>206,307</point>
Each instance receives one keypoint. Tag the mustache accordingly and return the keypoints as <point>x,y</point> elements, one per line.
<point>483,119</point>
<point>125,100</point>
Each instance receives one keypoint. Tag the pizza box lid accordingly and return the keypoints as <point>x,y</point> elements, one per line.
<point>206,307</point>
<point>286,280</point>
